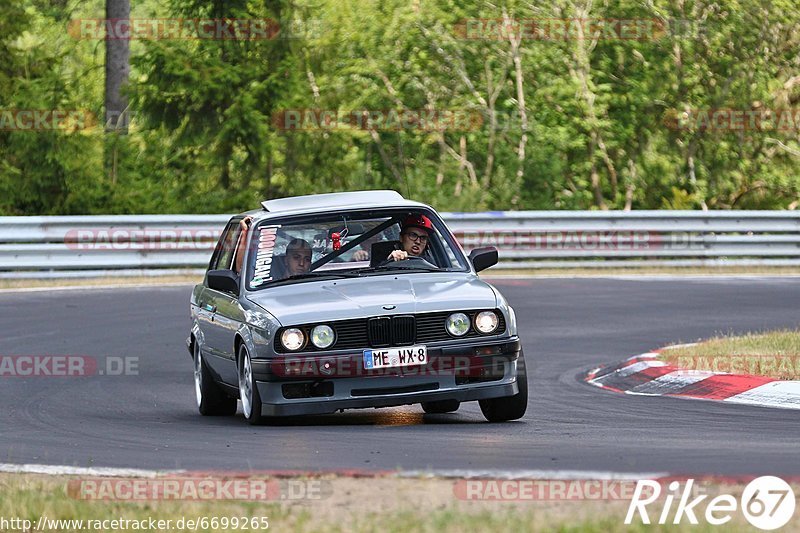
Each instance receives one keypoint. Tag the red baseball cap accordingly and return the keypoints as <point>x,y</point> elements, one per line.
<point>418,221</point>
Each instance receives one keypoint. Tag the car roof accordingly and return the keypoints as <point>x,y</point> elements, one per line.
<point>338,201</point>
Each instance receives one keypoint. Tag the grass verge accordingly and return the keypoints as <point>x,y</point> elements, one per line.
<point>350,504</point>
<point>774,354</point>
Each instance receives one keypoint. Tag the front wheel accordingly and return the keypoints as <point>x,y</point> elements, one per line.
<point>509,407</point>
<point>248,392</point>
<point>211,399</point>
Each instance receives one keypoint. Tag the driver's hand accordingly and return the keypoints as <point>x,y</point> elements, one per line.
<point>398,255</point>
<point>245,223</point>
<point>361,255</point>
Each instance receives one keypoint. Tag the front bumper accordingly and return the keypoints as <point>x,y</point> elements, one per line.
<point>318,384</point>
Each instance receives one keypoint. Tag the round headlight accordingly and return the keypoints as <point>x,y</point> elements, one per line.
<point>322,336</point>
<point>293,339</point>
<point>458,324</point>
<point>486,321</point>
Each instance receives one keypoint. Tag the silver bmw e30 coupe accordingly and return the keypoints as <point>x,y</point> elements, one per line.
<point>320,303</point>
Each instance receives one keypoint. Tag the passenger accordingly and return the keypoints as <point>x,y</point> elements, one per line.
<point>298,257</point>
<point>244,224</point>
<point>363,254</point>
<point>296,260</point>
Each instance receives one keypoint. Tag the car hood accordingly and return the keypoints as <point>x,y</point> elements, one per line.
<point>315,301</point>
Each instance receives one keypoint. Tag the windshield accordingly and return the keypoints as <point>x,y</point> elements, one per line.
<point>331,246</point>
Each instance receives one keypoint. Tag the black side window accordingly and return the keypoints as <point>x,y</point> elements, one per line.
<point>226,246</point>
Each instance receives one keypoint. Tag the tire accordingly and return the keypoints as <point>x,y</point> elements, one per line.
<point>509,407</point>
<point>248,391</point>
<point>440,406</point>
<point>211,399</point>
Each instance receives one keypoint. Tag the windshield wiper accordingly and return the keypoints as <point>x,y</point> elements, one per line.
<point>396,268</point>
<point>316,275</point>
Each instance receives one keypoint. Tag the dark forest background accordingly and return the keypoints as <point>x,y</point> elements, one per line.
<point>583,122</point>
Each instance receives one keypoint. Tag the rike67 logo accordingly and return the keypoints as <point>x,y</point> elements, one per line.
<point>767,502</point>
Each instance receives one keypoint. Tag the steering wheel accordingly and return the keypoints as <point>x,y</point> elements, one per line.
<point>412,261</point>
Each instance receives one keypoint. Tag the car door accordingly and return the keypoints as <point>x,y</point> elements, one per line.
<point>222,312</point>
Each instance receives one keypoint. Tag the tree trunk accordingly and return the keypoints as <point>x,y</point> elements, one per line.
<point>117,70</point>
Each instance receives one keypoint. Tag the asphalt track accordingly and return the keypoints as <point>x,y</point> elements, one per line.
<point>150,420</point>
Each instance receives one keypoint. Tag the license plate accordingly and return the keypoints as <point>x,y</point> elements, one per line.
<point>395,357</point>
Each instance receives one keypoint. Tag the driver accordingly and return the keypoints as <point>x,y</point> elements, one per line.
<point>413,237</point>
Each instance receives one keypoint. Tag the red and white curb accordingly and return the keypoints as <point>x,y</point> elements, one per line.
<point>646,375</point>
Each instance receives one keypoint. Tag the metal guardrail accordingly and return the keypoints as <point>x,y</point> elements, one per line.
<point>63,246</point>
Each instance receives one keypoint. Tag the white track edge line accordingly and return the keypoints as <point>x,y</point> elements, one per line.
<point>60,470</point>
<point>98,287</point>
<point>64,470</point>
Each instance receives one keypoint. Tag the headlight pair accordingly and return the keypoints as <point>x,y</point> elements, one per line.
<point>485,322</point>
<point>322,337</point>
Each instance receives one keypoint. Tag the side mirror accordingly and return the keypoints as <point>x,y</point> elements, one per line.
<point>223,280</point>
<point>483,258</point>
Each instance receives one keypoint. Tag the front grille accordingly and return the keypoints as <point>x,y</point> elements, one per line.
<point>391,331</point>
<point>404,330</point>
<point>400,330</point>
<point>349,333</point>
<point>379,331</point>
